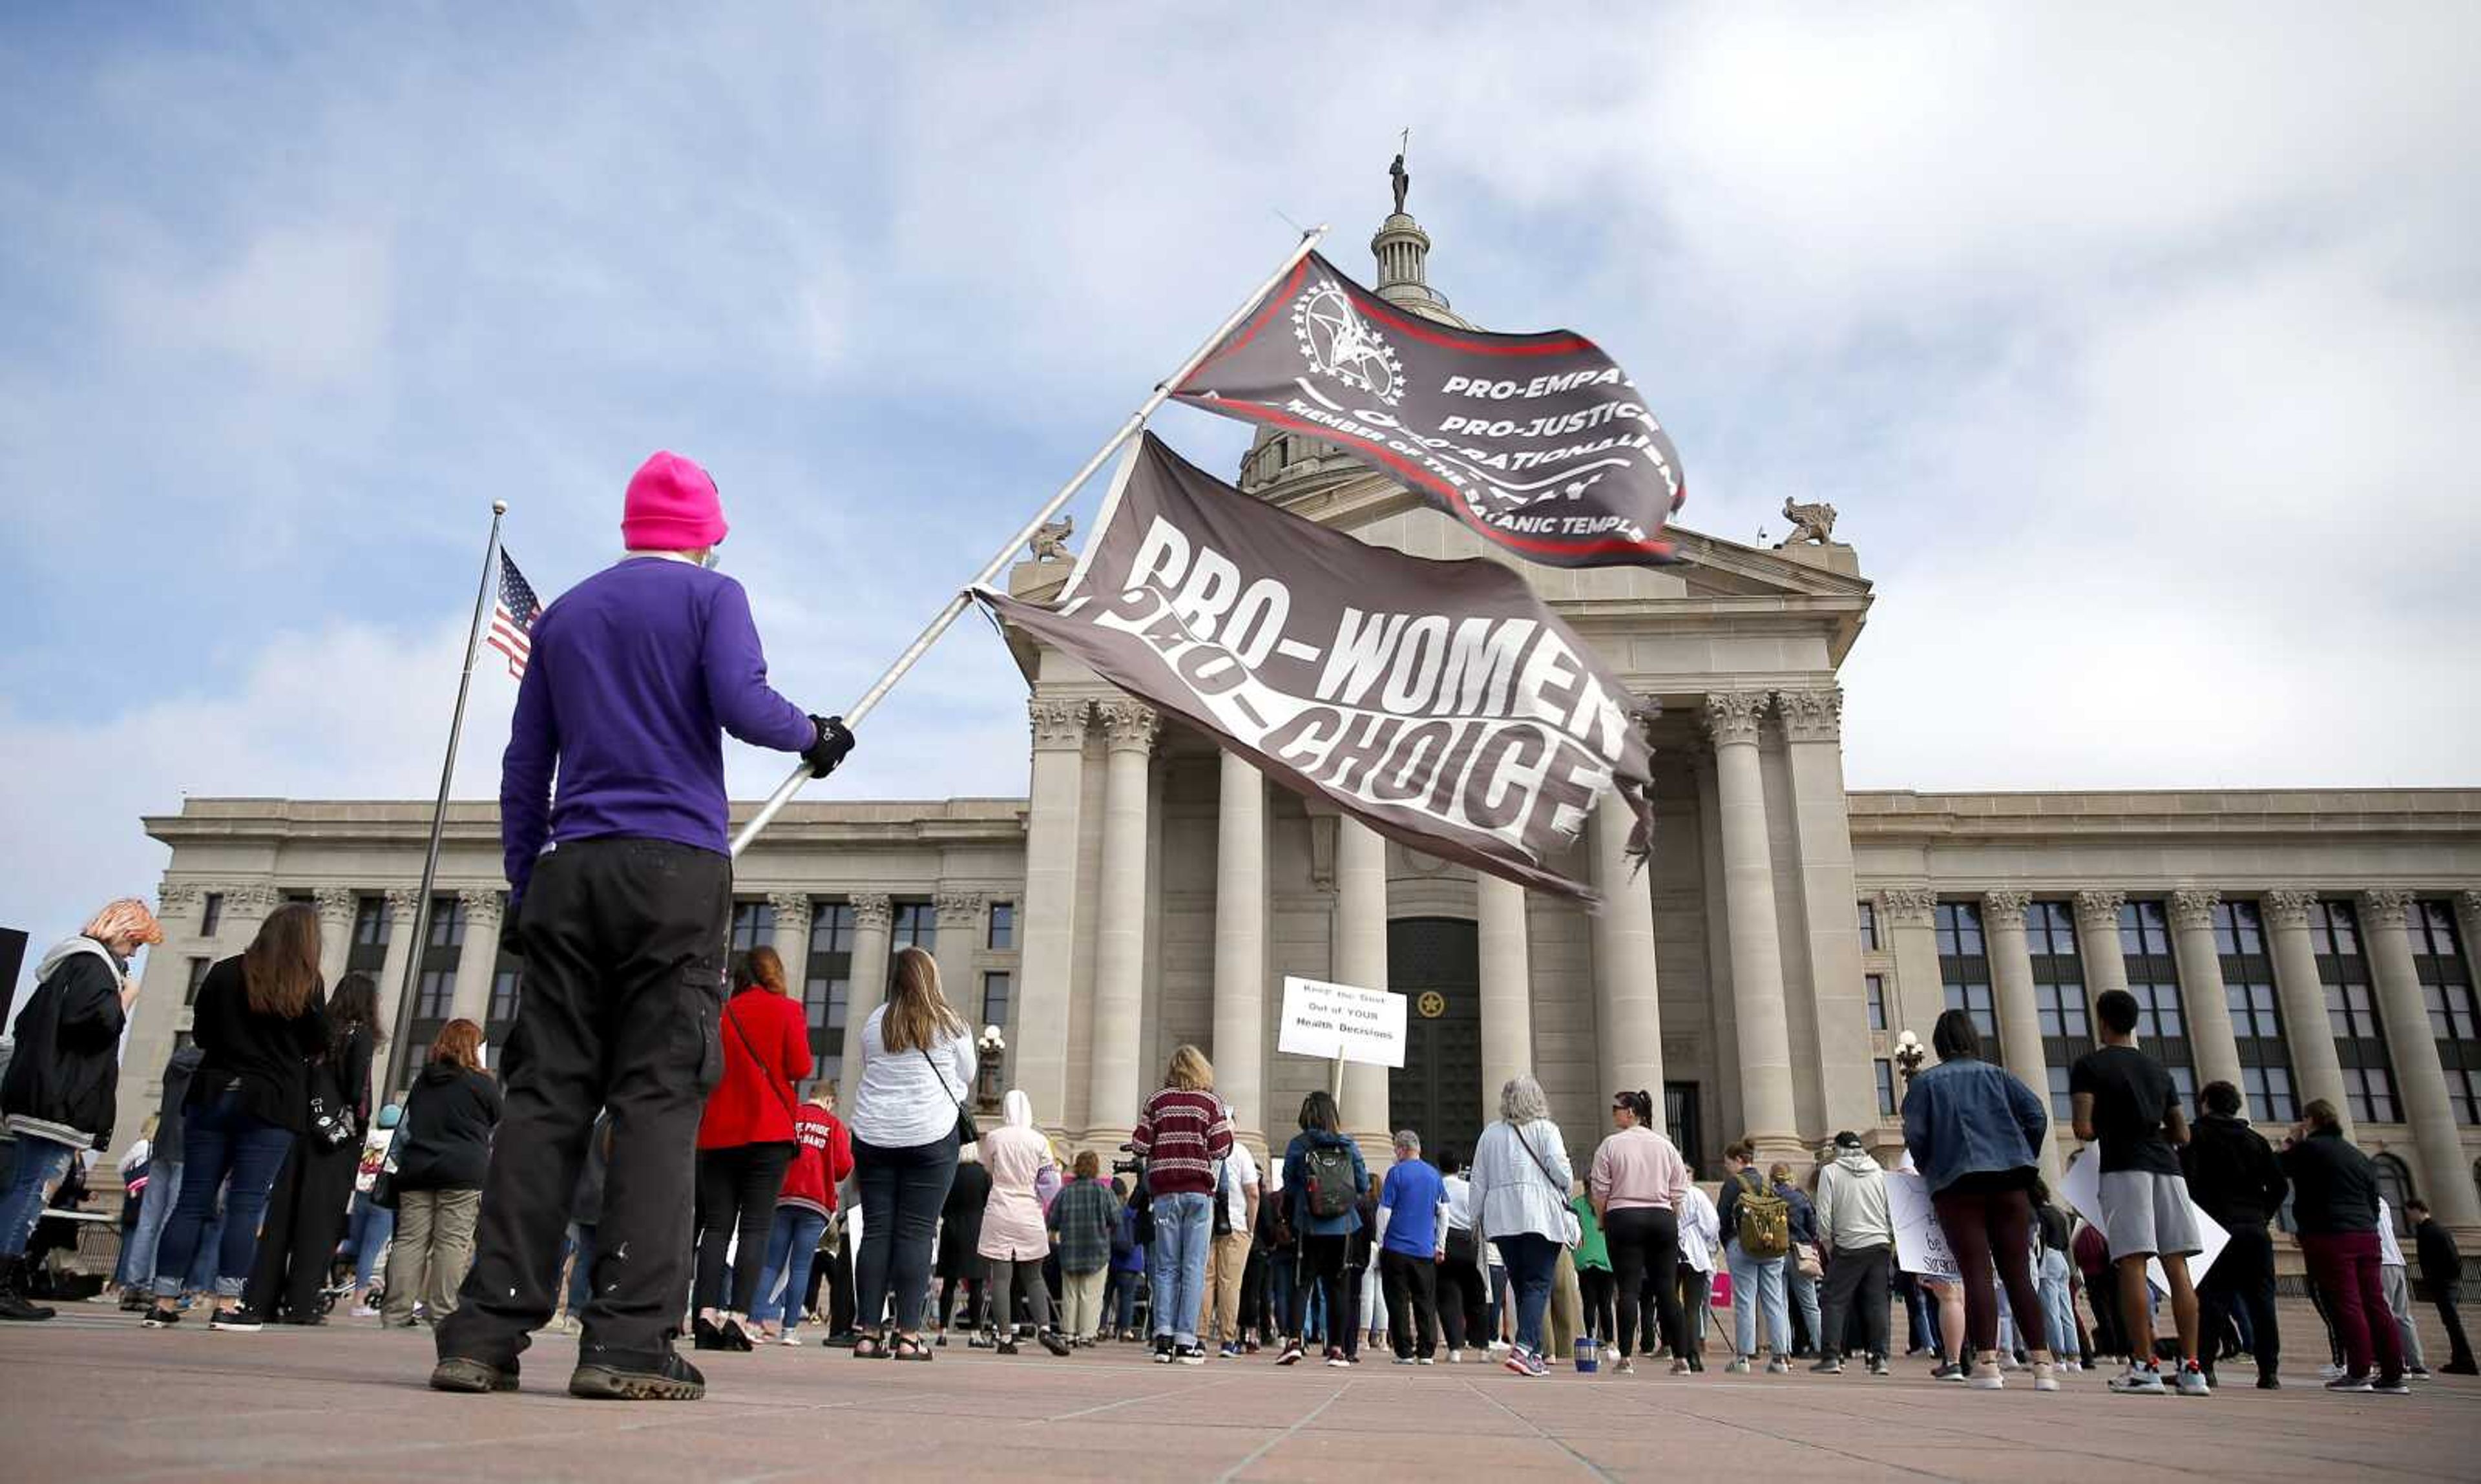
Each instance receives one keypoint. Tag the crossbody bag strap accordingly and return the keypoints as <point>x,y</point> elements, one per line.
<point>751,1048</point>
<point>1538,1163</point>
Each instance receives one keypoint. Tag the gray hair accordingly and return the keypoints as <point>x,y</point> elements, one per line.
<point>1521,1099</point>
<point>1406,1139</point>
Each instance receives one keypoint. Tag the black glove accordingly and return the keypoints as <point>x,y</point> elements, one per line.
<point>833,743</point>
<point>512,937</point>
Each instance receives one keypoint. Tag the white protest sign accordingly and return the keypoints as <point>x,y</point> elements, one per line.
<point>1321,1019</point>
<point>1920,1242</point>
<point>2082,1189</point>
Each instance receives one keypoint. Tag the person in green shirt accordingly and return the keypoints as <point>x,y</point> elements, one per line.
<point>1595,1284</point>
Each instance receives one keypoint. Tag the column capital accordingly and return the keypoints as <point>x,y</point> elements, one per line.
<point>2099,909</point>
<point>179,896</point>
<point>481,906</point>
<point>2289,909</point>
<point>1733,715</point>
<point>792,909</point>
<point>402,900</point>
<point>254,896</point>
<point>2469,904</point>
<point>2005,908</point>
<point>1909,906</point>
<point>2193,911</point>
<point>1059,722</point>
<point>336,904</point>
<point>1811,716</point>
<point>962,909</point>
<point>871,911</point>
<point>1129,725</point>
<point>2384,906</point>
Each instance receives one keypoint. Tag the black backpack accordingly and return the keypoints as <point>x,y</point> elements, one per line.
<point>1328,1177</point>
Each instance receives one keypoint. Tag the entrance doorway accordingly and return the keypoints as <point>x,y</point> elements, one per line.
<point>1435,963</point>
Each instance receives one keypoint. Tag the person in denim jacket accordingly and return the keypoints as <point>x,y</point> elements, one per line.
<point>1976,1133</point>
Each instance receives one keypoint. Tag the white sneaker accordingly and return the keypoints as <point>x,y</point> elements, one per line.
<point>1455,1357</point>
<point>791,1338</point>
<point>2140,1381</point>
<point>2192,1382</point>
<point>364,1311</point>
<point>2329,1372</point>
<point>1984,1376</point>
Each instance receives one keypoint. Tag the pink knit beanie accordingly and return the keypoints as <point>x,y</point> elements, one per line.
<point>671,506</point>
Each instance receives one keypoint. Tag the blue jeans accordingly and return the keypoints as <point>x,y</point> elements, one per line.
<point>220,1140</point>
<point>1184,1228</point>
<point>1120,1296</point>
<point>2058,1310</point>
<point>581,1268</point>
<point>1758,1283</point>
<point>790,1243</point>
<point>1533,1261</point>
<point>42,1164</point>
<point>366,1236</point>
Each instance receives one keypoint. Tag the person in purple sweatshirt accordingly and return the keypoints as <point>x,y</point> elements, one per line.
<point>620,892</point>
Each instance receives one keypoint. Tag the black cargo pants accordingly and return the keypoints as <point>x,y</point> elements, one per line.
<point>624,944</point>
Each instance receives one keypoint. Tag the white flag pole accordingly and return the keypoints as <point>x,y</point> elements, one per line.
<point>956,605</point>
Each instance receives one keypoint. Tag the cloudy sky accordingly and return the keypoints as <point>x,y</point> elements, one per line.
<point>2131,342</point>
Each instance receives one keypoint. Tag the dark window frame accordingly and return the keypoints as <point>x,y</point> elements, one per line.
<point>2352,1015</point>
<point>2256,1009</point>
<point>1964,965</point>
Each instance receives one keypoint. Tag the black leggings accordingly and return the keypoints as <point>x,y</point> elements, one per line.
<point>735,1190</point>
<point>1645,1252</point>
<point>1320,1261</point>
<point>1983,1227</point>
<point>1597,1293</point>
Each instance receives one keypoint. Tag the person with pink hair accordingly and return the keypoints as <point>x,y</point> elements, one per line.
<point>64,1077</point>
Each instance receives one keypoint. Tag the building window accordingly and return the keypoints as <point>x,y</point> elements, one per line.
<point>435,991</point>
<point>1964,964</point>
<point>2395,1186</point>
<point>1002,935</point>
<point>2352,1013</point>
<point>1874,987</point>
<point>504,997</point>
<point>2256,1016</point>
<point>447,922</point>
<point>1868,927</point>
<point>753,926</point>
<point>371,922</point>
<point>2059,995</point>
<point>997,986</point>
<point>2445,976</point>
<point>917,926</point>
<point>198,968</point>
<point>1886,1071</point>
<point>2154,979</point>
<point>211,915</point>
<point>826,986</point>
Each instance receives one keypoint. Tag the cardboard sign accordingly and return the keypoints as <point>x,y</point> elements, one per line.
<point>1920,1242</point>
<point>2081,1188</point>
<point>1321,1019</point>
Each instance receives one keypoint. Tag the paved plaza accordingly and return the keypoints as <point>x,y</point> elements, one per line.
<point>90,1398</point>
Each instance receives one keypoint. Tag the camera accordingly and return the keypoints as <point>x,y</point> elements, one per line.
<point>1131,1165</point>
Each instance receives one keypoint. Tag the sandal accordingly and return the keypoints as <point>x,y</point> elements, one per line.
<point>870,1347</point>
<point>909,1347</point>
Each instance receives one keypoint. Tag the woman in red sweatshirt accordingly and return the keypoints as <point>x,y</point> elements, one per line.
<point>744,1143</point>
<point>820,1160</point>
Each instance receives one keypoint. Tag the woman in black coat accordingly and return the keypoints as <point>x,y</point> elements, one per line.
<point>305,1210</point>
<point>64,1075</point>
<point>444,1152</point>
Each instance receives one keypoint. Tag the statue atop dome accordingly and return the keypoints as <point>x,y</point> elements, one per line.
<point>1403,179</point>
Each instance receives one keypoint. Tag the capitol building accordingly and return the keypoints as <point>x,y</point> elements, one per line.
<point>1149,889</point>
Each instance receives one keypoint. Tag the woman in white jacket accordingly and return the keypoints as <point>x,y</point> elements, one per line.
<point>1520,1179</point>
<point>1013,1240</point>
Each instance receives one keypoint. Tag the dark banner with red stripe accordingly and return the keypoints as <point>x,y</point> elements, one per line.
<point>1539,443</point>
<point>1439,702</point>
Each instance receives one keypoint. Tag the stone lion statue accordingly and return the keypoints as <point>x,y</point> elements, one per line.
<point>1051,541</point>
<point>1810,522</point>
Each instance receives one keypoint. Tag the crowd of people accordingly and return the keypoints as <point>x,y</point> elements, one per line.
<point>647,1133</point>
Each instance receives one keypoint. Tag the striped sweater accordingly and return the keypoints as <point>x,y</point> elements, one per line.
<point>1180,1136</point>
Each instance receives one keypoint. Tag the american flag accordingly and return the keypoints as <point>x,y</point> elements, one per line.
<point>512,618</point>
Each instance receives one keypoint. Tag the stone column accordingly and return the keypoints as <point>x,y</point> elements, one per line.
<point>2305,1029</point>
<point>1240,946</point>
<point>1038,1040</point>
<point>792,942</point>
<point>1361,961</point>
<point>2211,1042</point>
<point>1628,1011</point>
<point>1813,728</point>
<point>475,960</point>
<point>2420,1078</point>
<point>1766,1115</point>
<point>960,939</point>
<point>873,915</point>
<point>1507,988</point>
<point>2020,1023</point>
<point>401,951</point>
<point>1114,1084</point>
<point>335,904</point>
<point>1910,916</point>
<point>2098,943</point>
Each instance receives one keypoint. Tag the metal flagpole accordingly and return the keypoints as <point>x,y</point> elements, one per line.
<point>447,772</point>
<point>964,598</point>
